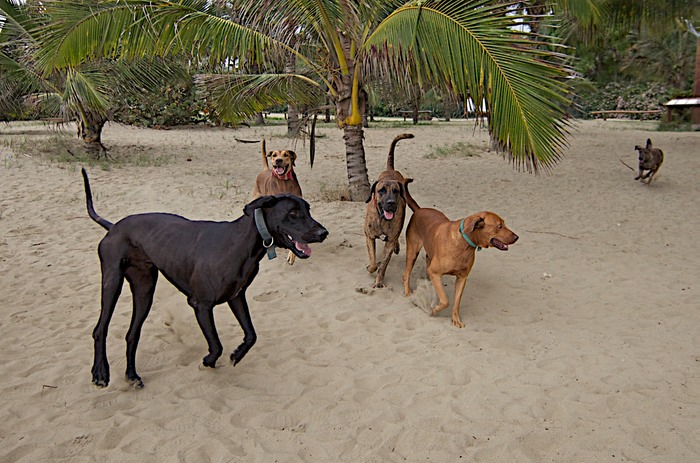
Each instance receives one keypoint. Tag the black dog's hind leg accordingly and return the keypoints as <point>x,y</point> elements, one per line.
<point>205,318</point>
<point>239,306</point>
<point>112,282</point>
<point>142,279</point>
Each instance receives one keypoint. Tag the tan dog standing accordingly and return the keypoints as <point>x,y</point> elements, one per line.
<point>450,248</point>
<point>386,211</point>
<point>279,179</point>
<point>650,159</point>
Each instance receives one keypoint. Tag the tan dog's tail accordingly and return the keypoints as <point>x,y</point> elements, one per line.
<point>409,199</point>
<point>390,159</point>
<point>264,155</point>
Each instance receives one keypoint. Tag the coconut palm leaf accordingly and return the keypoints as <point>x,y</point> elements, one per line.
<point>236,96</point>
<point>457,45</point>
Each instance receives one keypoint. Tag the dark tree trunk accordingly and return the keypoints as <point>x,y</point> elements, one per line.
<point>90,131</point>
<point>696,86</point>
<point>358,181</point>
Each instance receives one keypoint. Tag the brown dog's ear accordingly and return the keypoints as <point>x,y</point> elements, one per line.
<point>293,155</point>
<point>648,143</point>
<point>269,154</point>
<point>371,192</point>
<point>479,223</point>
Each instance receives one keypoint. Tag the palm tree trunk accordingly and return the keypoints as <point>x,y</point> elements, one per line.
<point>358,181</point>
<point>90,131</point>
<point>696,86</point>
<point>293,122</point>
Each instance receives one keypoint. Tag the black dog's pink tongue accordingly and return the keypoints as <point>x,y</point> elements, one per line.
<point>388,215</point>
<point>303,247</point>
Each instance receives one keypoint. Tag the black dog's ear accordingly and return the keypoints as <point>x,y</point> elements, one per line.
<point>263,201</point>
<point>479,223</point>
<point>371,192</point>
<point>648,143</point>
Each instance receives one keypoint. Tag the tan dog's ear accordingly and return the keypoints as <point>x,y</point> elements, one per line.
<point>269,154</point>
<point>474,222</point>
<point>371,192</point>
<point>293,155</point>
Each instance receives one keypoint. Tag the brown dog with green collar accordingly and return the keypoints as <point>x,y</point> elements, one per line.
<point>386,211</point>
<point>450,248</point>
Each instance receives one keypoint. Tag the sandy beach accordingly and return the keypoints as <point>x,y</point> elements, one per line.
<point>581,343</point>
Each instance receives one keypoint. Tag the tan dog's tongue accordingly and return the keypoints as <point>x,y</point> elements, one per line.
<point>279,170</point>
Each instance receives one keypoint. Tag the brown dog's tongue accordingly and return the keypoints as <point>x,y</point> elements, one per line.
<point>279,170</point>
<point>388,215</point>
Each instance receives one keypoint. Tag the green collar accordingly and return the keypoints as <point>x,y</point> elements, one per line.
<point>466,237</point>
<point>265,234</point>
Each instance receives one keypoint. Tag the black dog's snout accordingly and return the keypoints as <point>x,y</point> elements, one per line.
<point>322,234</point>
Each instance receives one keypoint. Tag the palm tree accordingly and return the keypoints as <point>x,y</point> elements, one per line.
<point>468,47</point>
<point>83,93</point>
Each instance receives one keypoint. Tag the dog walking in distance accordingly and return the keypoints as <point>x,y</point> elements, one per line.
<point>278,179</point>
<point>650,160</point>
<point>385,214</point>
<point>209,262</point>
<point>450,248</point>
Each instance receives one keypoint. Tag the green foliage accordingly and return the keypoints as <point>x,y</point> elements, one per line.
<point>644,96</point>
<point>175,104</point>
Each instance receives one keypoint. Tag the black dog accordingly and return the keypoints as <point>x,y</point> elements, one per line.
<point>650,159</point>
<point>210,262</point>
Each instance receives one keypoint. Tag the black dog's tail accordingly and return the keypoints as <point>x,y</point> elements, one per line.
<point>91,210</point>
<point>390,159</point>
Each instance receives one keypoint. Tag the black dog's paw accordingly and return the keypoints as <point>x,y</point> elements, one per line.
<point>210,361</point>
<point>236,357</point>
<point>100,382</point>
<point>135,381</point>
<point>239,353</point>
<point>100,376</point>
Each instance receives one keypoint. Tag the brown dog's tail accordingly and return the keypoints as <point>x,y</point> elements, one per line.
<point>264,155</point>
<point>91,210</point>
<point>390,159</point>
<point>409,199</point>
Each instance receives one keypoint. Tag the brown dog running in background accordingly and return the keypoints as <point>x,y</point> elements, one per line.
<point>450,248</point>
<point>650,159</point>
<point>279,179</point>
<point>386,211</point>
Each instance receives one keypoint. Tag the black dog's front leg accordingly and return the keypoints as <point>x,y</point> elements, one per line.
<point>239,306</point>
<point>205,318</point>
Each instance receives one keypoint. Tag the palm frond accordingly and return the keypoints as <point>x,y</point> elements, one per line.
<point>139,28</point>
<point>234,97</point>
<point>473,48</point>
